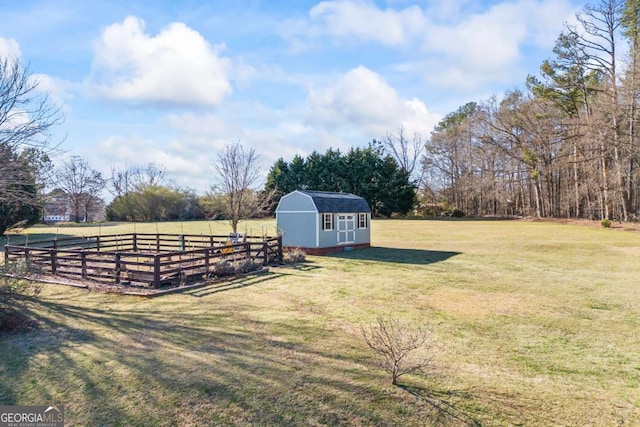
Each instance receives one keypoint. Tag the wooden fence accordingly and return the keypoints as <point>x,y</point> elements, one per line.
<point>151,260</point>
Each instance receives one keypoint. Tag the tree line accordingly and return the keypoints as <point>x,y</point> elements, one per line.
<point>368,172</point>
<point>566,146</point>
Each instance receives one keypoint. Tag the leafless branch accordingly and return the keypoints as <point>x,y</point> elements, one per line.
<point>406,348</point>
<point>237,177</point>
<point>26,117</point>
<point>405,150</point>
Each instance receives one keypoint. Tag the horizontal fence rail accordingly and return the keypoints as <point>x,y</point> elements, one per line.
<point>150,260</point>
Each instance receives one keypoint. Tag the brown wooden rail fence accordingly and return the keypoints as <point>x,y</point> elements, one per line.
<point>150,260</point>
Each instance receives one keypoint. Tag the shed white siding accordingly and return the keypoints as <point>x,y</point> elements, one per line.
<point>296,202</point>
<point>298,229</point>
<point>299,217</point>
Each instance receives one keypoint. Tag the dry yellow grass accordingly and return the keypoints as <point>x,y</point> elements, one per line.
<point>538,325</point>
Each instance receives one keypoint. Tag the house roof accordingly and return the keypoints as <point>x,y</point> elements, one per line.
<point>329,202</point>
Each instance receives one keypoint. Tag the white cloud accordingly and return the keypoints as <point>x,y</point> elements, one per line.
<point>59,91</point>
<point>546,18</point>
<point>10,48</point>
<point>349,111</point>
<point>490,47</point>
<point>450,10</point>
<point>43,84</point>
<point>14,119</point>
<point>464,28</point>
<point>209,125</point>
<point>243,73</point>
<point>186,167</point>
<point>363,99</point>
<point>462,44</point>
<point>365,21</point>
<point>494,39</point>
<point>175,66</point>
<point>285,138</point>
<point>187,158</point>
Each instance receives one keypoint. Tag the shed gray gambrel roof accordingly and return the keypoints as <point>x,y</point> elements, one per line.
<point>329,202</point>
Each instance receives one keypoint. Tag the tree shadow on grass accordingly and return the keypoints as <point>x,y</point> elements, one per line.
<point>441,407</point>
<point>396,255</point>
<point>304,266</point>
<point>23,345</point>
<point>239,283</point>
<point>22,239</point>
<point>137,364</point>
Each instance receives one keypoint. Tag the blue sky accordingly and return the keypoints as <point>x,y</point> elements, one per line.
<point>172,82</point>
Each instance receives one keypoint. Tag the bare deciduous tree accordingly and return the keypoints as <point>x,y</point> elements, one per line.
<point>135,178</point>
<point>405,347</point>
<point>81,183</point>
<point>405,150</point>
<point>120,182</point>
<point>237,178</point>
<point>597,38</point>
<point>147,176</point>
<point>26,117</point>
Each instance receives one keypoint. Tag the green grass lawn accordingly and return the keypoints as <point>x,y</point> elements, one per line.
<point>537,324</point>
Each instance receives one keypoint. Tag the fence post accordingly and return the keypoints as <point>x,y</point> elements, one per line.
<point>135,242</point>
<point>117,272</point>
<point>206,262</point>
<point>247,250</point>
<point>157,243</point>
<point>98,243</point>
<point>280,256</point>
<point>265,253</point>
<point>83,264</point>
<point>156,271</point>
<point>53,253</point>
<point>6,257</point>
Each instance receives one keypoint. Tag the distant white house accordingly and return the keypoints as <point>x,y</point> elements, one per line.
<point>322,222</point>
<point>58,208</point>
<point>55,218</point>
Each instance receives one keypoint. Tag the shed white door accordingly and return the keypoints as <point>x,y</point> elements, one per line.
<point>346,228</point>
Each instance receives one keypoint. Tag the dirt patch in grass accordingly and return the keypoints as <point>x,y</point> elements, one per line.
<point>139,291</point>
<point>474,303</point>
<point>15,321</point>
<point>629,250</point>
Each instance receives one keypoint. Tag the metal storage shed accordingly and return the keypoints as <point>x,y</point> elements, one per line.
<point>321,221</point>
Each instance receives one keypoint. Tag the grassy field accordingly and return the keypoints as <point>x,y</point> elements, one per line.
<point>537,324</point>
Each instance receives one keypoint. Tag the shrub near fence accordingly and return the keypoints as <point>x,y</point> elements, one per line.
<point>150,260</point>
